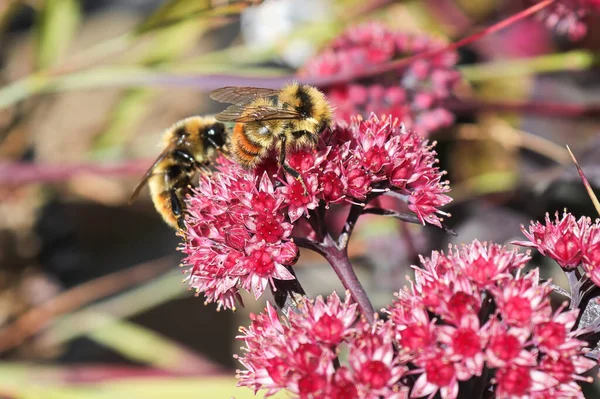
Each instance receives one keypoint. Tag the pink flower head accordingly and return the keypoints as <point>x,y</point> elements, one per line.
<point>521,381</point>
<point>413,94</point>
<point>298,354</point>
<point>450,284</point>
<point>507,345</point>
<point>472,309</point>
<point>524,303</point>
<point>239,222</point>
<point>560,240</point>
<point>569,242</point>
<point>438,374</point>
<point>554,336</point>
<point>567,370</point>
<point>464,345</point>
<point>567,16</point>
<point>236,235</point>
<point>503,331</point>
<point>590,249</point>
<point>375,366</point>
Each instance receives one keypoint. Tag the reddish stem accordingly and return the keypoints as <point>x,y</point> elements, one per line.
<point>394,65</point>
<point>23,173</point>
<point>338,259</point>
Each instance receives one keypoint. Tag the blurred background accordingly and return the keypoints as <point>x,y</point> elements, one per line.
<point>92,303</point>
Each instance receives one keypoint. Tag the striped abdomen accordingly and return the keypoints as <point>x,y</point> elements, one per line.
<point>247,151</point>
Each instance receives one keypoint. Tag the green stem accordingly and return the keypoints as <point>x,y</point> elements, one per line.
<point>571,61</point>
<point>124,77</point>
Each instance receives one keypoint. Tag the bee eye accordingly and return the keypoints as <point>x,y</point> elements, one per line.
<point>215,136</point>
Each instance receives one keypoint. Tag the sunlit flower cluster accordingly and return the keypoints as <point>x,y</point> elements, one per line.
<point>567,16</point>
<point>411,93</point>
<point>470,315</point>
<point>570,242</point>
<point>473,310</point>
<point>239,222</point>
<point>299,354</point>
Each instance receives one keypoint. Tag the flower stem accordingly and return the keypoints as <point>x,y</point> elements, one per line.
<point>481,384</point>
<point>307,243</point>
<point>575,288</point>
<point>23,173</point>
<point>338,259</point>
<point>286,293</point>
<point>344,238</point>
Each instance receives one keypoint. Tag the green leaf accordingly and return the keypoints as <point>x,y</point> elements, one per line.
<point>132,341</point>
<point>124,76</point>
<point>56,25</point>
<point>127,304</point>
<point>575,60</point>
<point>174,11</point>
<point>168,45</point>
<point>26,381</point>
<point>132,107</point>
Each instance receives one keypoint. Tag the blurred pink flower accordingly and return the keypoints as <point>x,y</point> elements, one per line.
<point>412,94</point>
<point>567,16</point>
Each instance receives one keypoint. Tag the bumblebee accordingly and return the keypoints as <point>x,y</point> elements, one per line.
<point>267,119</point>
<point>189,147</point>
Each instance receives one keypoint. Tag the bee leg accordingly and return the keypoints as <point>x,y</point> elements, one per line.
<point>222,149</point>
<point>293,172</point>
<point>180,223</point>
<point>203,168</point>
<point>225,152</point>
<point>176,205</point>
<point>176,208</point>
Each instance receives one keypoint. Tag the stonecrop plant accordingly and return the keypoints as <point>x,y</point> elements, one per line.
<point>472,323</point>
<point>475,321</point>
<point>240,224</point>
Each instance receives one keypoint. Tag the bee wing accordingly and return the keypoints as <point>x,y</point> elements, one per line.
<point>148,174</point>
<point>240,95</point>
<point>237,113</point>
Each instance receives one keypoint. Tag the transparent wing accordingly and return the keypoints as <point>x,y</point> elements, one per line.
<point>236,113</point>
<point>148,174</point>
<point>240,95</point>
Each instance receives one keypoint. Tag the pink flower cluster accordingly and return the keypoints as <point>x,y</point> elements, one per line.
<point>566,16</point>
<point>472,310</point>
<point>468,316</point>
<point>239,222</point>
<point>570,242</point>
<point>300,353</point>
<point>412,94</point>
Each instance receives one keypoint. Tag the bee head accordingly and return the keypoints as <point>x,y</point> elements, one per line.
<point>215,136</point>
